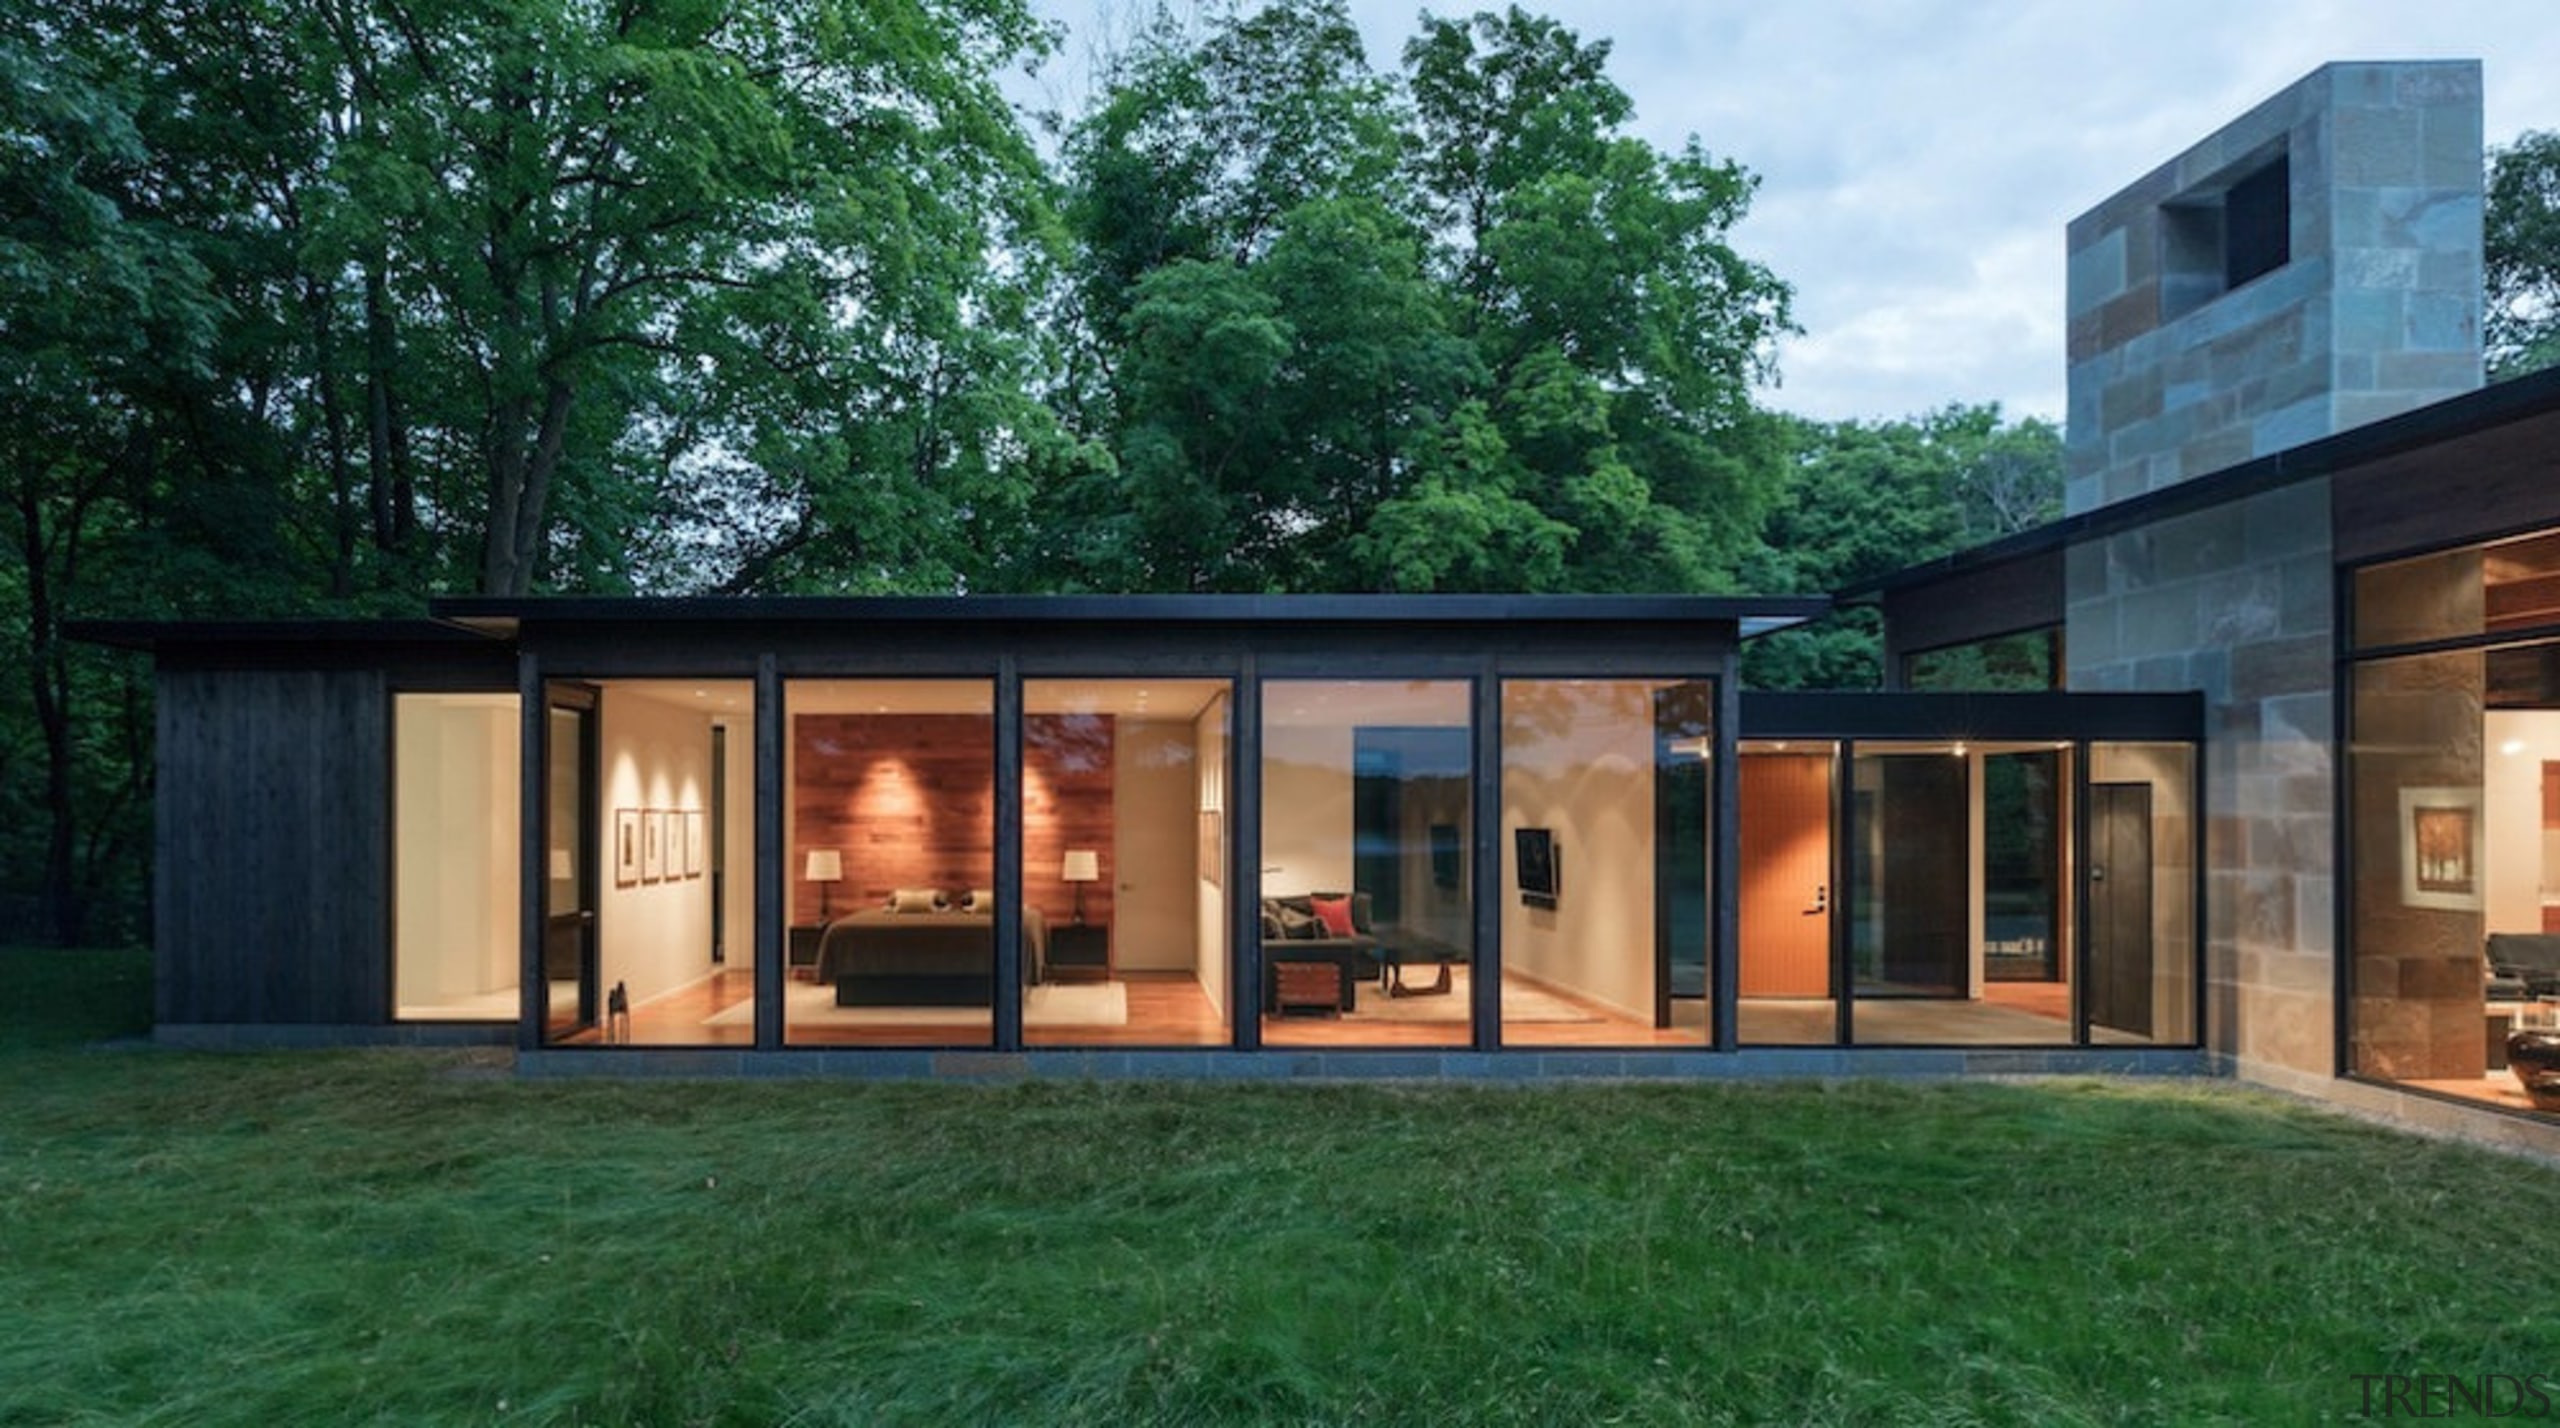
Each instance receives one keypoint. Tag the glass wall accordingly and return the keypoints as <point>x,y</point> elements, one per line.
<point>455,944</point>
<point>2454,817</point>
<point>667,973</point>
<point>889,857</point>
<point>1366,916</point>
<point>1614,777</point>
<point>1124,862</point>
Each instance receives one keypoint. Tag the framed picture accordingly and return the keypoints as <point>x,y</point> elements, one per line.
<point>2440,848</point>
<point>653,845</point>
<point>626,847</point>
<point>696,824</point>
<point>1213,847</point>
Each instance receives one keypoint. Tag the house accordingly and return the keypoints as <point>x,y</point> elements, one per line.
<point>2302,761</point>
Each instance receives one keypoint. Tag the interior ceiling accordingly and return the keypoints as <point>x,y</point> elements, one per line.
<point>700,696</point>
<point>1333,704</point>
<point>1903,746</point>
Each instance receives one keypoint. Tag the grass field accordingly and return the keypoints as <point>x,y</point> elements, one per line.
<point>413,1238</point>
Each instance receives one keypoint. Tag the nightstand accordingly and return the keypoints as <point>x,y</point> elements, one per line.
<point>1080,952</point>
<point>802,958</point>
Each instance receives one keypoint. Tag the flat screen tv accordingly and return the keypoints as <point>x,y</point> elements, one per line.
<point>1539,880</point>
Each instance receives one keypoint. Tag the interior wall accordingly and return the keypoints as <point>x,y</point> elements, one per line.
<point>454,902</point>
<point>1070,774</point>
<point>907,799</point>
<point>1209,737</point>
<point>2418,726</point>
<point>1157,834</point>
<point>1593,785</point>
<point>2519,742</point>
<point>1306,809</point>
<point>738,908</point>
<point>652,937</point>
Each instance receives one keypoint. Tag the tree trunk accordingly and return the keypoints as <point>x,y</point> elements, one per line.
<point>48,679</point>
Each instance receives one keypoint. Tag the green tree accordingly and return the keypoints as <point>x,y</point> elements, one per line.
<point>2522,255</point>
<point>1864,499</point>
<point>1620,332</point>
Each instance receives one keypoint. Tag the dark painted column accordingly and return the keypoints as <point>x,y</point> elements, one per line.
<point>1484,968</point>
<point>1725,819</point>
<point>1244,837</point>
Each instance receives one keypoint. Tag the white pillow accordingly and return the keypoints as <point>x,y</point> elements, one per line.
<point>978,900</point>
<point>915,900</point>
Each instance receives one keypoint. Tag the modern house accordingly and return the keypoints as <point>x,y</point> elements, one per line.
<point>2302,763</point>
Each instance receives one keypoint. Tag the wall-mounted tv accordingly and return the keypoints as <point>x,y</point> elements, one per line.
<point>1540,879</point>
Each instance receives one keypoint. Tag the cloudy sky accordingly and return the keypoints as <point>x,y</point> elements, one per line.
<point>1918,158</point>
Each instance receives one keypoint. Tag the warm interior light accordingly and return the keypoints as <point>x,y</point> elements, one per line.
<point>824,867</point>
<point>2511,747</point>
<point>1080,866</point>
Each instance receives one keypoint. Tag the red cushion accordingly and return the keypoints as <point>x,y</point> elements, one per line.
<point>1335,914</point>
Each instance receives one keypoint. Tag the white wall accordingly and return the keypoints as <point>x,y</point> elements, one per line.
<point>1155,814</point>
<point>1209,736</point>
<point>738,916</point>
<point>655,937</point>
<point>1306,809</point>
<point>454,905</point>
<point>1593,785</point>
<point>2517,867</point>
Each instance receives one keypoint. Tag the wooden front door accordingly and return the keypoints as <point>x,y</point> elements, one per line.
<point>1786,875</point>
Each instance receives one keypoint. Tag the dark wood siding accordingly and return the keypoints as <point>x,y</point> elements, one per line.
<point>1978,604</point>
<point>272,853</point>
<point>2481,484</point>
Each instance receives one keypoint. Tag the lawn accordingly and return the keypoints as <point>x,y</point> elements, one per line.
<point>417,1238</point>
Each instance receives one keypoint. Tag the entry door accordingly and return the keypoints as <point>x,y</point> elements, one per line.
<point>1786,875</point>
<point>2120,906</point>
<point>571,842</point>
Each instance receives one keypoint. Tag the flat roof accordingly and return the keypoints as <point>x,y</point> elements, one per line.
<point>2499,404</point>
<point>465,620</point>
<point>1752,614</point>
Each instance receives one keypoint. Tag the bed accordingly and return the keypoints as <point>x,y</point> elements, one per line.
<point>940,959</point>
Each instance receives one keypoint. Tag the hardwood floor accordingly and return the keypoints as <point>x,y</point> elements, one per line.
<point>1170,1009</point>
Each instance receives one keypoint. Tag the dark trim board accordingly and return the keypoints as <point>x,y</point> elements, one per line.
<point>2171,718</point>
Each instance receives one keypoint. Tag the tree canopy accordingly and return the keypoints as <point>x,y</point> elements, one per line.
<point>2521,255</point>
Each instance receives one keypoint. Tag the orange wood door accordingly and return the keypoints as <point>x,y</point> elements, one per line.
<point>1786,875</point>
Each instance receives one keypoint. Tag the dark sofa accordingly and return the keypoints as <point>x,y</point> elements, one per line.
<point>2523,964</point>
<point>1291,933</point>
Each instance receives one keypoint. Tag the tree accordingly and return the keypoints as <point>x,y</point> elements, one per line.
<point>2521,252</point>
<point>1864,499</point>
<point>98,310</point>
<point>1621,334</point>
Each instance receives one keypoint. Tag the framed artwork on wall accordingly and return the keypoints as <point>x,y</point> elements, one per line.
<point>695,824</point>
<point>1213,847</point>
<point>1540,879</point>
<point>653,845</point>
<point>626,847</point>
<point>2440,848</point>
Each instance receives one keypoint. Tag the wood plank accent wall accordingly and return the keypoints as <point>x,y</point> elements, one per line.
<point>909,799</point>
<point>274,888</point>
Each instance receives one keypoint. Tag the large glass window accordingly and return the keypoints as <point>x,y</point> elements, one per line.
<point>1366,916</point>
<point>672,959</point>
<point>890,856</point>
<point>1615,778</point>
<point>1124,862</point>
<point>455,944</point>
<point>2453,810</point>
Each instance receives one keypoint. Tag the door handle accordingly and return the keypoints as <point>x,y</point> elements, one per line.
<point>1821,900</point>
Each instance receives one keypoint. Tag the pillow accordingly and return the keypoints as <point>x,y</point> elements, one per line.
<point>1298,926</point>
<point>915,900</point>
<point>978,900</point>
<point>1272,931</point>
<point>1359,909</point>
<point>1335,914</point>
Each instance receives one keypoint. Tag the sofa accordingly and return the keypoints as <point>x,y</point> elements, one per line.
<point>1291,932</point>
<point>2523,965</point>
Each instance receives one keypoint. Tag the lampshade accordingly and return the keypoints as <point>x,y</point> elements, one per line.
<point>825,865</point>
<point>1083,865</point>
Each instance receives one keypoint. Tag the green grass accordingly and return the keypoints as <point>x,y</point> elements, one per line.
<point>400,1238</point>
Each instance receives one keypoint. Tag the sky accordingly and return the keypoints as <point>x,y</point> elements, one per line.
<point>1918,158</point>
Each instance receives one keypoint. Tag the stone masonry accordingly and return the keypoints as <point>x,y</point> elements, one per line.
<point>2372,308</point>
<point>2376,310</point>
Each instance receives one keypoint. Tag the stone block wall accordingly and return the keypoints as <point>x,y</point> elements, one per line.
<point>2237,601</point>
<point>2376,310</point>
